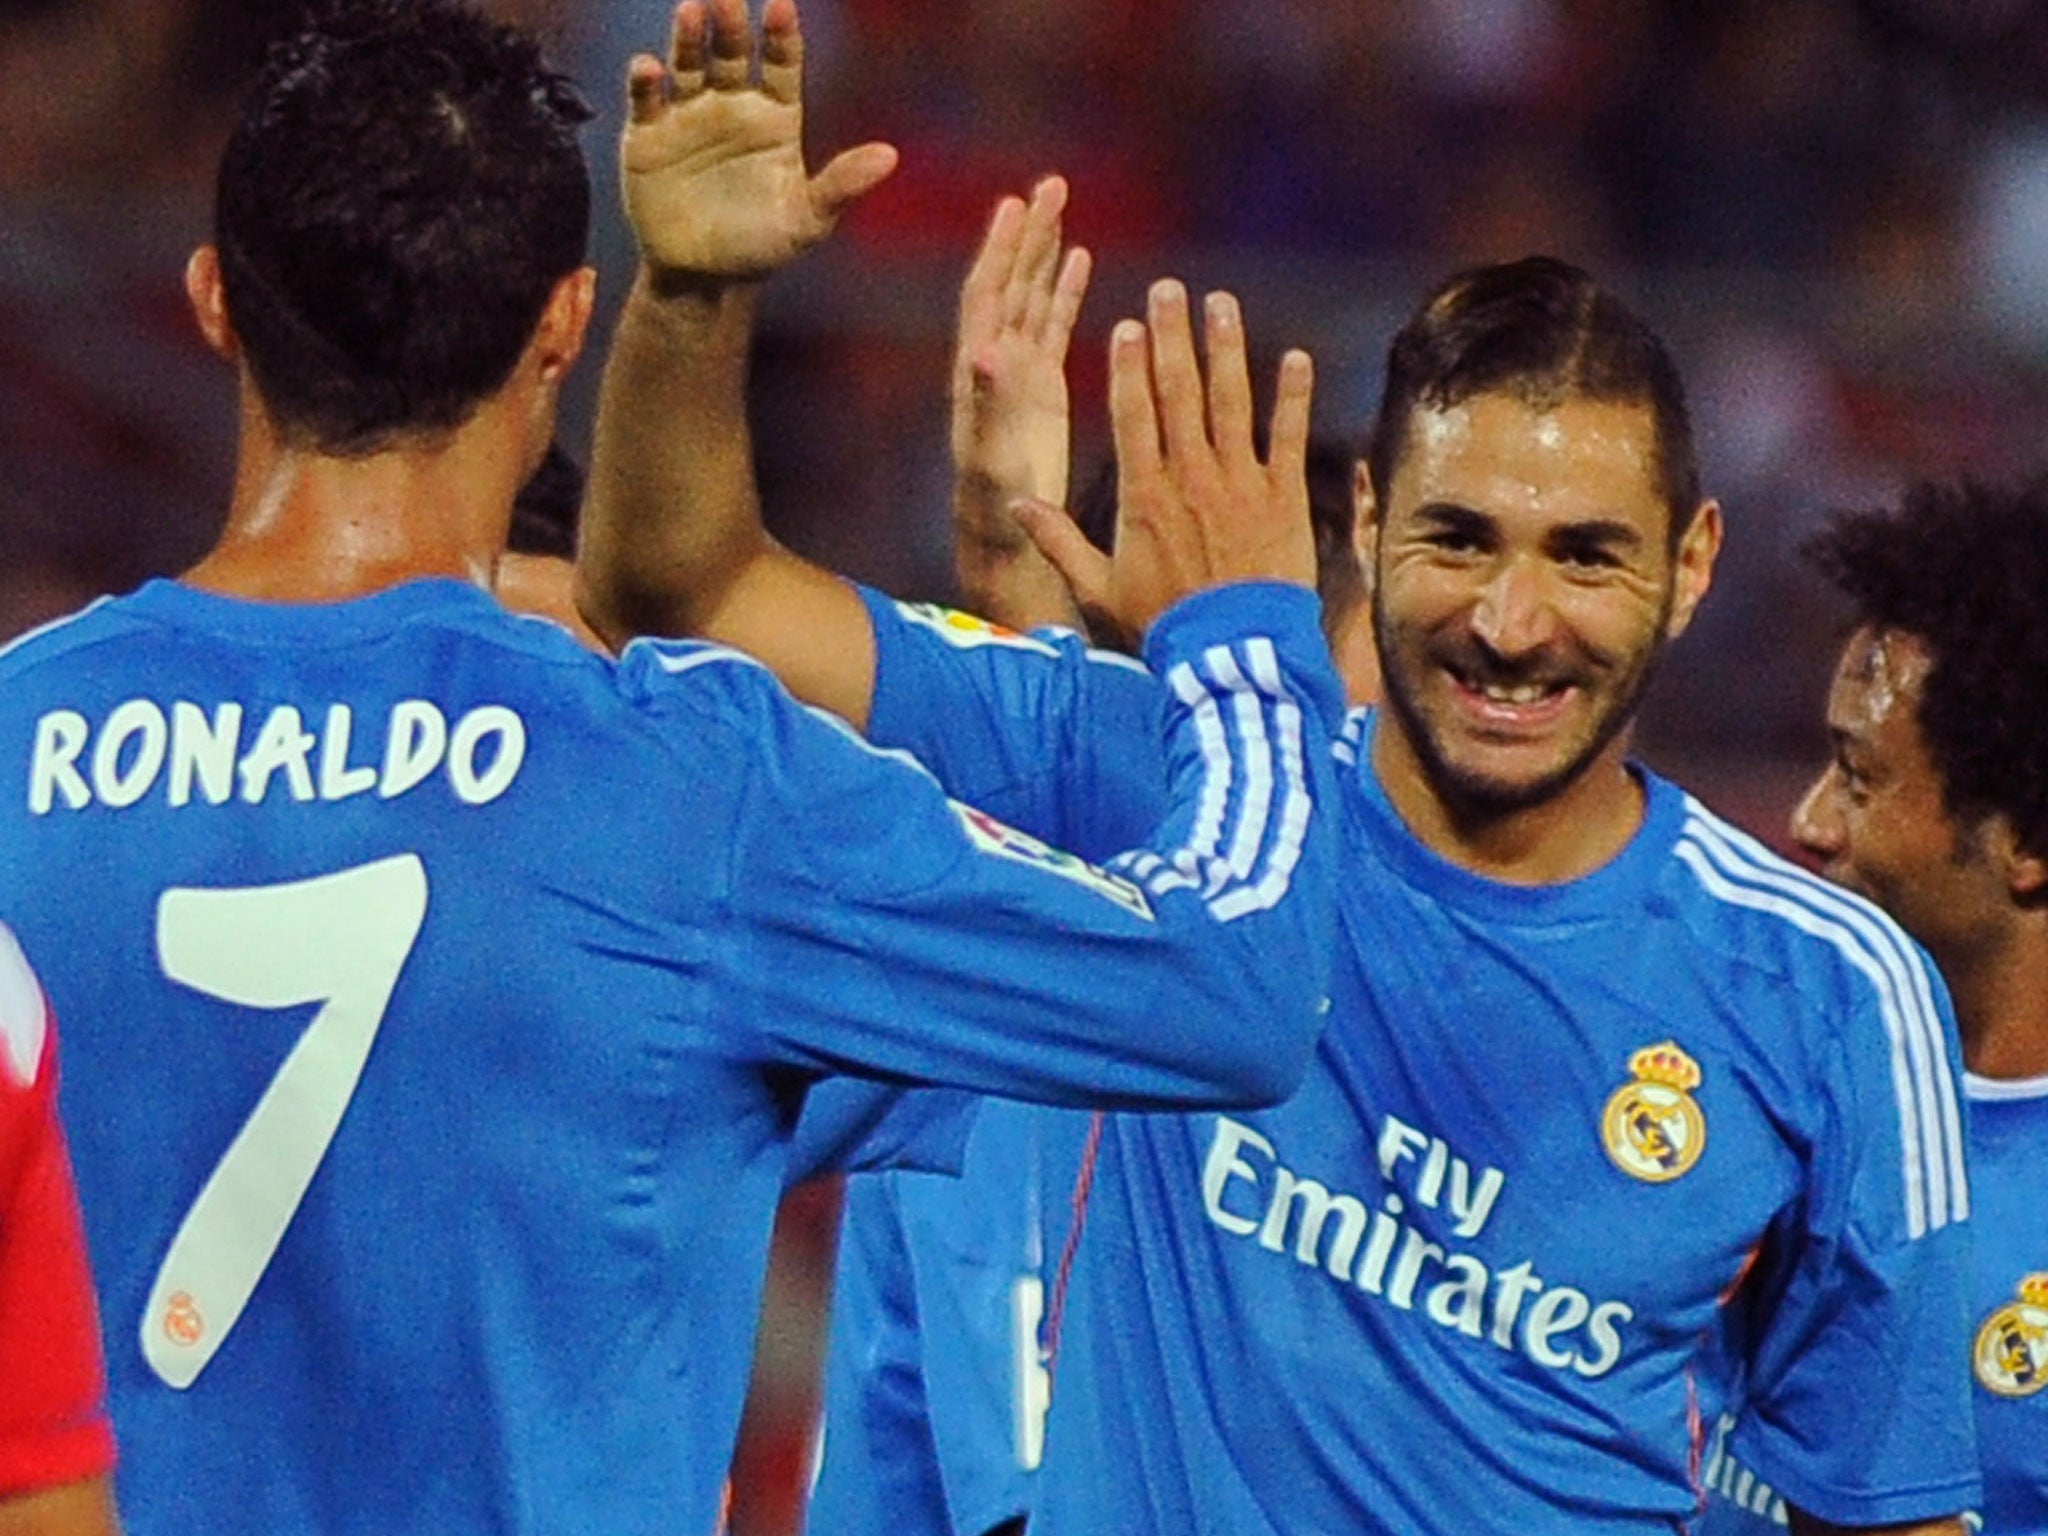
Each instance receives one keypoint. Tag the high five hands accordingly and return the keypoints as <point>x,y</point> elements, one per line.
<point>1196,507</point>
<point>712,157</point>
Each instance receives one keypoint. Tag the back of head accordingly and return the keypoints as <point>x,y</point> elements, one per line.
<point>1544,331</point>
<point>1963,568</point>
<point>400,197</point>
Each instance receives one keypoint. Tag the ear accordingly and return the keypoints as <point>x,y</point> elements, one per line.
<point>209,303</point>
<point>558,338</point>
<point>1365,523</point>
<point>1698,547</point>
<point>2026,874</point>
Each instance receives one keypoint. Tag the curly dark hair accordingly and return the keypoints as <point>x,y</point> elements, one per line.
<point>401,195</point>
<point>1964,568</point>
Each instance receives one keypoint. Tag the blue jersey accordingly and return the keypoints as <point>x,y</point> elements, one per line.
<point>441,997</point>
<point>2008,1142</point>
<point>936,1379</point>
<point>1570,1160</point>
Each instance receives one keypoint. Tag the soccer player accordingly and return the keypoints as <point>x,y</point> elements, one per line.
<point>937,1373</point>
<point>1615,1109</point>
<point>440,995</point>
<point>56,1449</point>
<point>1935,806</point>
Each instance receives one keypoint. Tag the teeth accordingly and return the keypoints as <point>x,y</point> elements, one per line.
<point>1526,693</point>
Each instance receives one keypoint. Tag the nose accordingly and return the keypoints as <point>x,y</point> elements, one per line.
<point>1817,819</point>
<point>1514,614</point>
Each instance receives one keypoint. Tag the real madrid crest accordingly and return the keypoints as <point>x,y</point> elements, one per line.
<point>1651,1127</point>
<point>2011,1352</point>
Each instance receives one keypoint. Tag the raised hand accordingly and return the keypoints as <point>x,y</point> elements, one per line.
<point>712,157</point>
<point>1195,506</point>
<point>1017,313</point>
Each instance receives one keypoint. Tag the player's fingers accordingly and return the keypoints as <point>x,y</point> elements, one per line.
<point>988,279</point>
<point>1083,567</point>
<point>1068,292</point>
<point>1038,256</point>
<point>1287,455</point>
<point>782,52</point>
<point>646,88</point>
<point>1230,381</point>
<point>1176,379</point>
<point>1133,418</point>
<point>688,55</point>
<point>732,46</point>
<point>850,175</point>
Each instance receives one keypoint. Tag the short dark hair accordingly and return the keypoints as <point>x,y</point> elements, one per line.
<point>1963,568</point>
<point>401,195</point>
<point>1545,331</point>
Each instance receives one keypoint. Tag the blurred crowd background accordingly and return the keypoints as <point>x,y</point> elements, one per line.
<point>1836,210</point>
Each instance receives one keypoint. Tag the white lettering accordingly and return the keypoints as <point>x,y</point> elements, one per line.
<point>1397,1141</point>
<point>1556,1311</point>
<point>491,720</point>
<point>1416,1250</point>
<point>1381,1253</point>
<point>1380,1246</point>
<point>1223,1165</point>
<point>199,758</point>
<point>1605,1334</point>
<point>1472,1207</point>
<point>283,743</point>
<point>203,752</point>
<point>1316,1205</point>
<point>412,750</point>
<point>53,762</point>
<point>1461,1303</point>
<point>139,721</point>
<point>1514,1284</point>
<point>337,780</point>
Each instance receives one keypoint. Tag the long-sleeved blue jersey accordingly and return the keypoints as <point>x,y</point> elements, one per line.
<point>1573,1163</point>
<point>440,999</point>
<point>2007,1366</point>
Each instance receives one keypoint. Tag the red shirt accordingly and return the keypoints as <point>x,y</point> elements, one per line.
<point>53,1414</point>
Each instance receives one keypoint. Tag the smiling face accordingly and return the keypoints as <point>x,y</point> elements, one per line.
<point>1876,819</point>
<point>1524,586</point>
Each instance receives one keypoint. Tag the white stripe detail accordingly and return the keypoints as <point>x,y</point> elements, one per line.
<point>24,1017</point>
<point>699,655</point>
<point>1744,874</point>
<point>1240,687</point>
<point>1215,747</point>
<point>1255,751</point>
<point>26,636</point>
<point>1933,1083</point>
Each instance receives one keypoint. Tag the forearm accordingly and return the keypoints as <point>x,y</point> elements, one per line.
<point>73,1509</point>
<point>1003,576</point>
<point>672,517</point>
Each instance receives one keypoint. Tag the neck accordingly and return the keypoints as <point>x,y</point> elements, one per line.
<point>306,526</point>
<point>1562,837</point>
<point>2001,998</point>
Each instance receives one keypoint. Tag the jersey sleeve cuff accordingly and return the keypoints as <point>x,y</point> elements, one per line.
<point>1857,1507</point>
<point>1288,615</point>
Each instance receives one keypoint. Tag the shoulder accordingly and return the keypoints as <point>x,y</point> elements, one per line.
<point>102,619</point>
<point>1768,913</point>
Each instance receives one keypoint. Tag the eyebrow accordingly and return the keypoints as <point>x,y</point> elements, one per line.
<point>1606,532</point>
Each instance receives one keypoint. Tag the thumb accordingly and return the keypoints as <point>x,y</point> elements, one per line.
<point>1083,567</point>
<point>850,176</point>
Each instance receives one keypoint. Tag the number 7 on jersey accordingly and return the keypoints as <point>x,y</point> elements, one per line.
<point>339,940</point>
